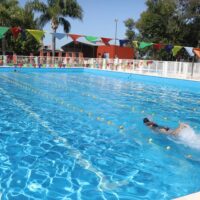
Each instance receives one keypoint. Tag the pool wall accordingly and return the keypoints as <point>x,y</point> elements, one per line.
<point>32,69</point>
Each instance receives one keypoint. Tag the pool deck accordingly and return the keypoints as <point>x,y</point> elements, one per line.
<point>194,196</point>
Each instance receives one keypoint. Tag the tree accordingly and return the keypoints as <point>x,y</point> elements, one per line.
<point>55,11</point>
<point>130,32</point>
<point>172,21</point>
<point>153,23</point>
<point>11,15</point>
<point>5,17</point>
<point>189,11</point>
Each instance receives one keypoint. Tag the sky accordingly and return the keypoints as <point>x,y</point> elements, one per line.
<point>99,19</point>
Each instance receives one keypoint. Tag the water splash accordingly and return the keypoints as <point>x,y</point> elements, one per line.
<point>188,137</point>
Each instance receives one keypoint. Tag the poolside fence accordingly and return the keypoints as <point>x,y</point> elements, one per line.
<point>186,70</point>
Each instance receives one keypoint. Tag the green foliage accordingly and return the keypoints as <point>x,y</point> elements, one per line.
<point>174,22</point>
<point>190,15</point>
<point>22,46</point>
<point>56,11</point>
<point>154,22</point>
<point>130,32</point>
<point>11,15</point>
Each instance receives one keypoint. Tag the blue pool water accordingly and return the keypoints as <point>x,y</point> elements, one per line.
<point>78,134</point>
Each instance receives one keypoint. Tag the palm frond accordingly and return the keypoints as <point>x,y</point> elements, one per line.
<point>37,5</point>
<point>65,23</point>
<point>52,2</point>
<point>43,19</point>
<point>71,8</point>
<point>54,11</point>
<point>9,3</point>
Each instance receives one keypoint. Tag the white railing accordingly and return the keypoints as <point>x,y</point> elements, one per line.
<point>186,70</point>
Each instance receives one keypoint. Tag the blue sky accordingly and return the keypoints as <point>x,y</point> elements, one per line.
<point>99,18</point>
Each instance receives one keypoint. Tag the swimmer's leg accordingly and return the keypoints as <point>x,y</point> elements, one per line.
<point>181,127</point>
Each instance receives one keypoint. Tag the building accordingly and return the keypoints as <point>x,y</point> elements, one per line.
<point>92,50</point>
<point>80,49</point>
<point>113,51</point>
<point>47,51</point>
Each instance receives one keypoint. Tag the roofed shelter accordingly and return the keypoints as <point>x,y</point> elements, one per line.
<point>88,50</point>
<point>99,50</point>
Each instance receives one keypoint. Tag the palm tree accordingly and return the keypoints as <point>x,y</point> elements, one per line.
<point>55,11</point>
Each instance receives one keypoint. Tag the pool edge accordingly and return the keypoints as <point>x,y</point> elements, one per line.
<point>193,196</point>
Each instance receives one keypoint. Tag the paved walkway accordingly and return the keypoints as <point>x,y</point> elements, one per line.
<point>194,196</point>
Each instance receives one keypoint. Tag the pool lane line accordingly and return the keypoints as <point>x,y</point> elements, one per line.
<point>142,112</point>
<point>93,80</point>
<point>125,94</point>
<point>124,83</point>
<point>132,108</point>
<point>190,100</point>
<point>68,106</point>
<point>104,184</point>
<point>61,102</point>
<point>76,91</point>
<point>85,94</point>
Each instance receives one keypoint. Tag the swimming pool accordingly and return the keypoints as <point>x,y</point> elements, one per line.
<point>78,134</point>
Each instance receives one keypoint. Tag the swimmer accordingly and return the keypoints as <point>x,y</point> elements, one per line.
<point>164,129</point>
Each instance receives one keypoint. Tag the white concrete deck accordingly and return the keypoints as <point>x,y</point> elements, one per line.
<point>194,196</point>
